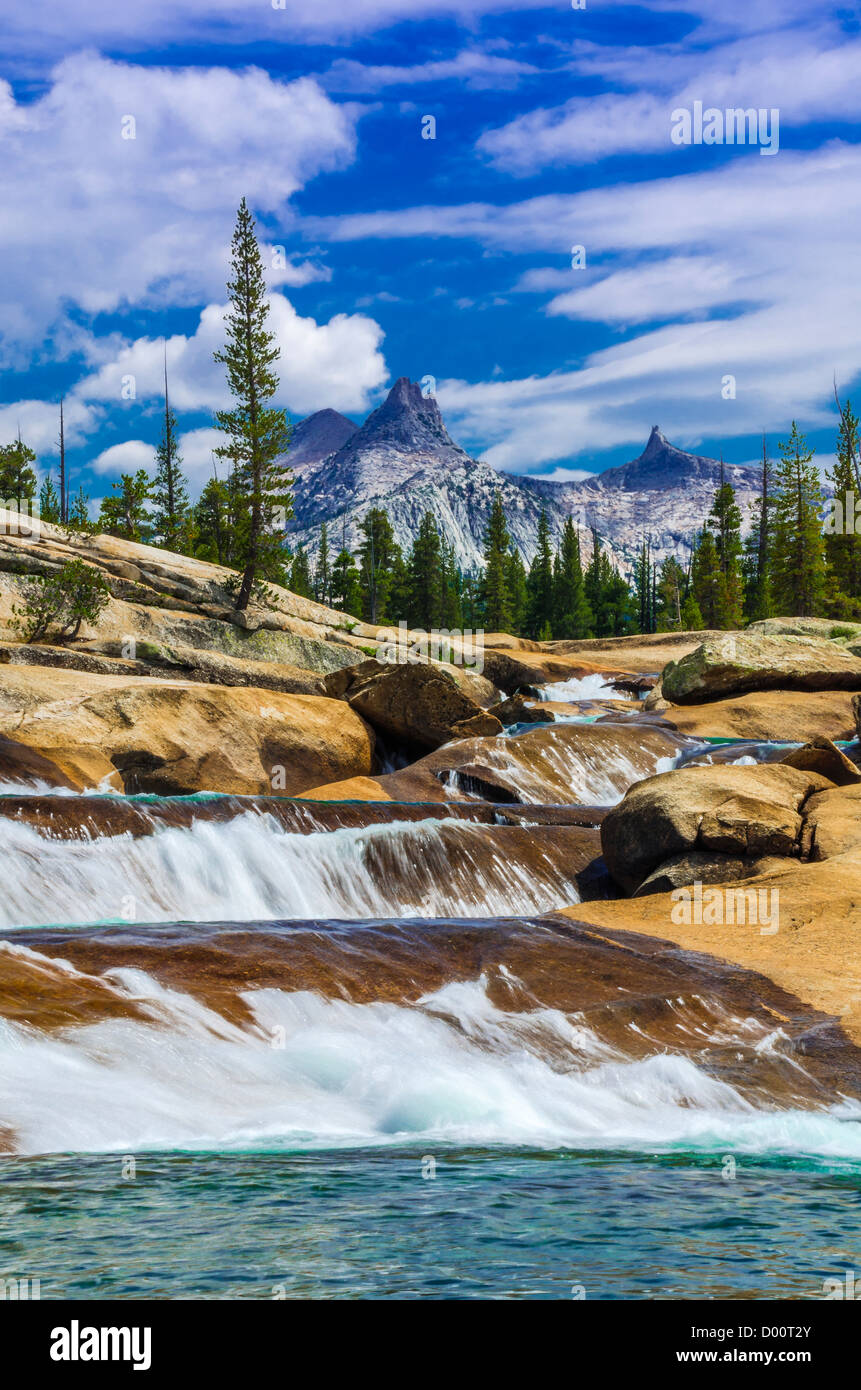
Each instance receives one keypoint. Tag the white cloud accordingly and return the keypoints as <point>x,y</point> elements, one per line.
<point>475,69</point>
<point>677,286</point>
<point>197,448</point>
<point>91,219</point>
<point>127,28</point>
<point>39,423</point>
<point>127,457</point>
<point>337,364</point>
<point>762,265</point>
<point>282,269</point>
<point>805,76</point>
<point>560,474</point>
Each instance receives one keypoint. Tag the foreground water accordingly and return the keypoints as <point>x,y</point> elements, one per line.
<point>335,1051</point>
<point>491,1223</point>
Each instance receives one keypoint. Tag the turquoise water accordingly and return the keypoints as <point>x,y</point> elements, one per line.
<point>490,1224</point>
<point>393,1106</point>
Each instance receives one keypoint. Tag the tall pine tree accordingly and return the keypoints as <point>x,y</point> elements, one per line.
<point>724,522</point>
<point>258,434</point>
<point>798,565</point>
<point>300,574</point>
<point>515,577</point>
<point>539,585</point>
<point>377,553</point>
<point>323,572</point>
<point>756,564</point>
<point>126,513</point>
<point>571,613</point>
<point>495,599</point>
<point>707,581</point>
<point>169,490</point>
<point>842,544</point>
<point>424,570</point>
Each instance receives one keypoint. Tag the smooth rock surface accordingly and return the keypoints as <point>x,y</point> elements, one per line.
<point>744,812</point>
<point>176,737</point>
<point>734,663</point>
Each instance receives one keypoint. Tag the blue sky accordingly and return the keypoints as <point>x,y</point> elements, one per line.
<point>446,257</point>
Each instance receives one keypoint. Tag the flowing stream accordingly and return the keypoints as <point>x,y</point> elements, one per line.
<point>240,996</point>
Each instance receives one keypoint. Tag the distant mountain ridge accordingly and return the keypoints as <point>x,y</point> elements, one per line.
<point>403,459</point>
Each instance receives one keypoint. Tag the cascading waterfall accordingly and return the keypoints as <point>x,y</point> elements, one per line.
<point>251,869</point>
<point>587,765</point>
<point>164,1067</point>
<point>593,687</point>
<point>311,1072</point>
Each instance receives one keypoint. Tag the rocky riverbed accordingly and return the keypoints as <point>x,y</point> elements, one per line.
<point>271,892</point>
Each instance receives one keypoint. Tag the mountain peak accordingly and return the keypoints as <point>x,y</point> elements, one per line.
<point>318,436</point>
<point>657,441</point>
<point>406,419</point>
<point>662,466</point>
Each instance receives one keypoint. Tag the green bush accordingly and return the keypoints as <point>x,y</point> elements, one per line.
<point>77,593</point>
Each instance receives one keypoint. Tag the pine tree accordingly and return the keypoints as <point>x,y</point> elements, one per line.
<point>79,513</point>
<point>377,554</point>
<point>300,574</point>
<point>451,615</point>
<point>707,581</point>
<point>425,573</point>
<point>798,565</point>
<point>692,618</point>
<point>346,589</point>
<point>571,613</point>
<point>642,595</point>
<point>539,585</point>
<point>842,544</point>
<point>49,501</point>
<point>518,598</point>
<point>258,434</point>
<point>169,490</point>
<point>724,522</point>
<point>323,572</point>
<point>470,599</point>
<point>496,604</point>
<point>756,564</point>
<point>17,479</point>
<point>211,516</point>
<point>126,514</point>
<point>606,593</point>
<point>671,594</point>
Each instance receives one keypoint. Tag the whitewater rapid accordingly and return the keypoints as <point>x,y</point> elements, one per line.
<point>252,869</point>
<point>312,1072</point>
<point>594,687</point>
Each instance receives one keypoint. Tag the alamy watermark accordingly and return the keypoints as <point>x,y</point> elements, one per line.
<point>734,126</point>
<point>22,1289</point>
<point>843,517</point>
<point>718,907</point>
<point>21,518</point>
<point>414,646</point>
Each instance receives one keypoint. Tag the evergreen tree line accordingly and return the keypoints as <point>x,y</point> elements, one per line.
<point>789,563</point>
<point>555,598</point>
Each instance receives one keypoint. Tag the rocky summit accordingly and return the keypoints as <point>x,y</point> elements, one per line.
<point>404,460</point>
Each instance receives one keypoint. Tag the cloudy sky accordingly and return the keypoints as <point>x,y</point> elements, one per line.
<point>128,135</point>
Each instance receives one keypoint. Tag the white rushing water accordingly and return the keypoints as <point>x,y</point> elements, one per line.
<point>556,764</point>
<point>251,869</point>
<point>319,1073</point>
<point>594,687</point>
